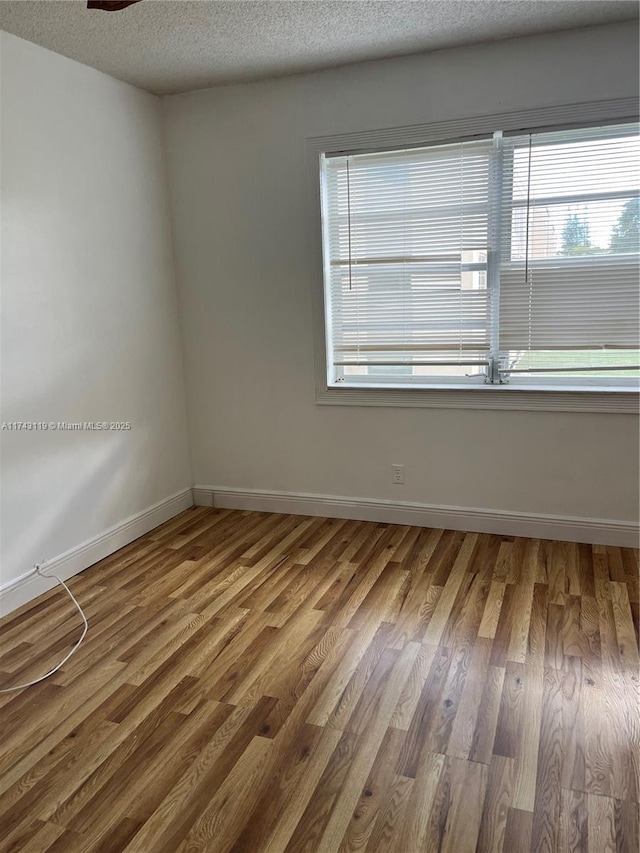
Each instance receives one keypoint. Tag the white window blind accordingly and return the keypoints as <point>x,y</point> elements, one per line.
<point>406,241</point>
<point>569,274</point>
<point>493,260</point>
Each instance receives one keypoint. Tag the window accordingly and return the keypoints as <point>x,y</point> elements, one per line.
<point>509,260</point>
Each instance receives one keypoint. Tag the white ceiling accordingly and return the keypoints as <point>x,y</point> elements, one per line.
<point>168,46</point>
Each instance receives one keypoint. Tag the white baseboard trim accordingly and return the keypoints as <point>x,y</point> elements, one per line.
<point>202,495</point>
<point>503,522</point>
<point>20,590</point>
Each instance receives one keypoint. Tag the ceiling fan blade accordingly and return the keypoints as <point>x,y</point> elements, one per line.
<point>110,5</point>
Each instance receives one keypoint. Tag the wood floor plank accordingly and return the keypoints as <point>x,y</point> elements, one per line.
<point>268,683</point>
<point>482,745</point>
<point>509,723</point>
<point>517,833</point>
<point>546,810</point>
<point>496,805</point>
<point>413,835</point>
<point>391,819</point>
<point>456,815</point>
<point>528,742</point>
<point>491,614</point>
<point>410,696</point>
<point>426,708</point>
<point>573,831</point>
<point>36,836</point>
<point>369,743</point>
<point>288,804</point>
<point>602,824</point>
<point>174,817</point>
<point>466,715</point>
<point>222,820</point>
<point>573,722</point>
<point>438,623</point>
<point>306,836</point>
<point>374,792</point>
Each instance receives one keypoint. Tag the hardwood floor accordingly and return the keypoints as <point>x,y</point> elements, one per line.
<point>256,682</point>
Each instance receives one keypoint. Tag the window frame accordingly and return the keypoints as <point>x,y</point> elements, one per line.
<point>530,395</point>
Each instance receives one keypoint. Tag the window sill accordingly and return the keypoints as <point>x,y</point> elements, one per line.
<point>509,397</point>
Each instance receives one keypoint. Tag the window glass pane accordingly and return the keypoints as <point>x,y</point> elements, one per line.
<point>407,244</point>
<point>569,276</point>
<point>604,227</point>
<point>576,198</point>
<point>548,359</point>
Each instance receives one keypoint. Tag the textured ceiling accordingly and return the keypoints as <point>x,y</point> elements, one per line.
<point>168,46</point>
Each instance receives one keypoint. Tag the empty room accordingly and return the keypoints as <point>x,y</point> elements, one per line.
<point>320,475</point>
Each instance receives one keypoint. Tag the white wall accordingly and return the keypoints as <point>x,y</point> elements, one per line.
<point>240,205</point>
<point>89,312</point>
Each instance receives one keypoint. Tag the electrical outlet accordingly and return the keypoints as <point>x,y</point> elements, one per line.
<point>397,475</point>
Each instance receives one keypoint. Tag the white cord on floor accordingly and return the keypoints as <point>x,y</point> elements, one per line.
<point>68,655</point>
